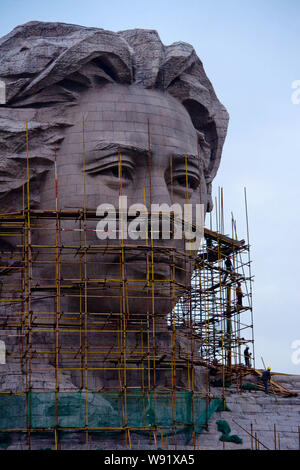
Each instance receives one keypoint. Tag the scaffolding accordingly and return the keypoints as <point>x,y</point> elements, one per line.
<point>221,324</point>
<point>78,366</point>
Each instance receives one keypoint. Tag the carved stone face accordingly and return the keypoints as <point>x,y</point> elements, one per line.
<point>119,115</point>
<point>111,82</point>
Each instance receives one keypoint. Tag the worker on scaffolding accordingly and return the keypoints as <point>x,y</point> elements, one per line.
<point>239,295</point>
<point>228,263</point>
<point>266,377</point>
<point>209,244</point>
<point>229,267</point>
<point>247,357</point>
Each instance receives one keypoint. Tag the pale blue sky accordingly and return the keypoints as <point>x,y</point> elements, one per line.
<point>251,53</point>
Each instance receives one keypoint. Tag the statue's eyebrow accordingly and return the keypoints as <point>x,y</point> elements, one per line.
<point>105,149</point>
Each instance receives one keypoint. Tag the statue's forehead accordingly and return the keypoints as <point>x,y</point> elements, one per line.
<point>131,114</point>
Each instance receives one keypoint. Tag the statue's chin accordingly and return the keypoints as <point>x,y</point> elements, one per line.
<point>137,306</point>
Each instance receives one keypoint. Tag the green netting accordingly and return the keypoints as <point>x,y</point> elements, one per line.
<point>224,428</point>
<point>5,440</point>
<point>109,411</point>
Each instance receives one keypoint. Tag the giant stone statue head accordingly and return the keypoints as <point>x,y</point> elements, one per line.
<point>90,96</point>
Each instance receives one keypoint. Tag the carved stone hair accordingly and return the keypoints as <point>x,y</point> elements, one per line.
<point>46,66</point>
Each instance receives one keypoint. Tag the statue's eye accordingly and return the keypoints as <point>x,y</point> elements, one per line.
<point>183,181</point>
<point>114,171</point>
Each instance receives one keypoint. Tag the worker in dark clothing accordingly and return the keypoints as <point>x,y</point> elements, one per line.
<point>209,243</point>
<point>266,377</point>
<point>228,266</point>
<point>239,295</point>
<point>228,263</point>
<point>247,356</point>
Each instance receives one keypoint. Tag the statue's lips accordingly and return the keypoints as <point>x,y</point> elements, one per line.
<point>161,260</point>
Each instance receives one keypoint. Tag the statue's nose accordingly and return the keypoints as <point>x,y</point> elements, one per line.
<point>160,219</point>
<point>153,193</point>
<point>159,190</point>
